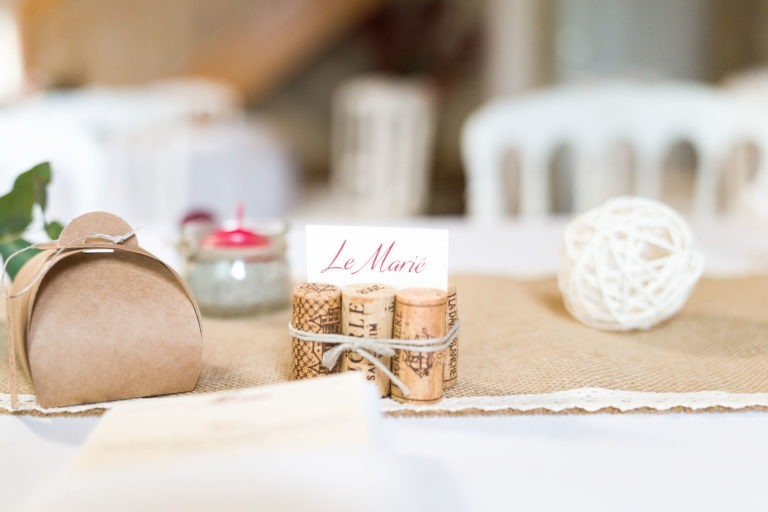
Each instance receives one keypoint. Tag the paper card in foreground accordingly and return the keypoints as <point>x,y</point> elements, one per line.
<point>335,412</point>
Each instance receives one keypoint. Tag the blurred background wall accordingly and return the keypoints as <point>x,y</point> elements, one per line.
<point>286,58</point>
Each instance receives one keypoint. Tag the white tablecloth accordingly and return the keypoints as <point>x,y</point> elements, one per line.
<point>600,462</point>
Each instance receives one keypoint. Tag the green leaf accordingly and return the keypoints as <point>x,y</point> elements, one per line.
<point>7,249</point>
<point>53,229</point>
<point>16,210</point>
<point>16,207</point>
<point>16,214</point>
<point>40,176</point>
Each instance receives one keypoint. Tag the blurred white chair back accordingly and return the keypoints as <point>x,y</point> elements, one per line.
<point>591,120</point>
<point>750,86</point>
<point>210,163</point>
<point>78,181</point>
<point>382,145</point>
<point>221,164</point>
<point>148,153</point>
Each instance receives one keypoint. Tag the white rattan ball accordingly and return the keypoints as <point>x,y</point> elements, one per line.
<point>628,264</point>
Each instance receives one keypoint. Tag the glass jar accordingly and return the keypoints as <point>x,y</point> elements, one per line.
<point>231,274</point>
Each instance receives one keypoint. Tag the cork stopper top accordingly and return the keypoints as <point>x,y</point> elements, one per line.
<point>422,297</point>
<point>372,291</point>
<point>316,291</point>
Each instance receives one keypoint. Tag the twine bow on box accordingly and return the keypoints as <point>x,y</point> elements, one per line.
<point>372,348</point>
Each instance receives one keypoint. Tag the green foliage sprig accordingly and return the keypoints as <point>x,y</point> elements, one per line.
<point>17,211</point>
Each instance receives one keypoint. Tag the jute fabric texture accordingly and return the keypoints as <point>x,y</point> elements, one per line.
<point>518,345</point>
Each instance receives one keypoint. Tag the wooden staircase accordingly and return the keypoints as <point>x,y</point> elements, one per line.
<point>252,44</point>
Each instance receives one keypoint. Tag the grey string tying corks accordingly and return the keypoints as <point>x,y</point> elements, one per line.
<point>402,338</point>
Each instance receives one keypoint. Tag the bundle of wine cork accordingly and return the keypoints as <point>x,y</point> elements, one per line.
<point>403,341</point>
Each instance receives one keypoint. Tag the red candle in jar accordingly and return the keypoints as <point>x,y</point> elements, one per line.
<point>237,238</point>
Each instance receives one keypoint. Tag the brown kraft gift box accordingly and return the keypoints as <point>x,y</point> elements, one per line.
<point>102,321</point>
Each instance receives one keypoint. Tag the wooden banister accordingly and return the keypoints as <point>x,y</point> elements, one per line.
<point>254,45</point>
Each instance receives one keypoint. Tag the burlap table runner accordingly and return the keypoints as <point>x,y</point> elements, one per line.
<point>522,352</point>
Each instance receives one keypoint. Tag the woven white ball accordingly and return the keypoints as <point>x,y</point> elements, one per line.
<point>628,264</point>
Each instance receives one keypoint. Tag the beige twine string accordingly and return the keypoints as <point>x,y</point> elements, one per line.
<point>115,239</point>
<point>370,348</point>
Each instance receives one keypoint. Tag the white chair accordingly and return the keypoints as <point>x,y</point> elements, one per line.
<point>650,118</point>
<point>148,153</point>
<point>78,181</point>
<point>750,86</point>
<point>383,131</point>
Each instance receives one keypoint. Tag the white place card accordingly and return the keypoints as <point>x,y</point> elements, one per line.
<point>332,413</point>
<point>399,257</point>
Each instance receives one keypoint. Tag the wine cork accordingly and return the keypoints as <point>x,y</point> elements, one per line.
<point>419,313</point>
<point>316,309</point>
<point>451,355</point>
<point>367,311</point>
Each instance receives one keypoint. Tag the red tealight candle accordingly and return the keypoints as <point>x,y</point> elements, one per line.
<point>237,238</point>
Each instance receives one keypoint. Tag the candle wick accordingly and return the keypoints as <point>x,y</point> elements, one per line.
<point>240,214</point>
